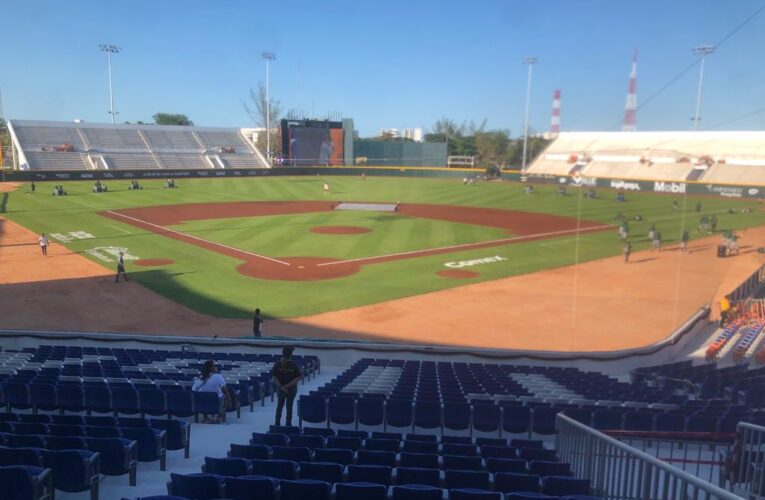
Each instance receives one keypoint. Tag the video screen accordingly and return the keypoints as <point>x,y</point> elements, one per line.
<point>313,143</point>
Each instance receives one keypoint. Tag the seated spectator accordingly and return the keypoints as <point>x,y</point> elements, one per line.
<point>211,381</point>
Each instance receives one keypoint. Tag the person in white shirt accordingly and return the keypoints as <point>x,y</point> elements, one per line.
<point>210,381</point>
<point>43,243</point>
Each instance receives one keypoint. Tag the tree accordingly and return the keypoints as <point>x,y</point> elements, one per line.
<point>172,119</point>
<point>264,112</point>
<point>5,144</point>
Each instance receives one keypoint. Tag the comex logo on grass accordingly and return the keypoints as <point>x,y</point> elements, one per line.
<point>467,263</point>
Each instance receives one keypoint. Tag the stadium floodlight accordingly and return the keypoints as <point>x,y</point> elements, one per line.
<point>110,49</point>
<point>268,56</point>
<point>530,62</point>
<point>702,51</point>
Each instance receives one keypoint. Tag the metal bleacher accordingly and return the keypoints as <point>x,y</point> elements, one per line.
<point>67,145</point>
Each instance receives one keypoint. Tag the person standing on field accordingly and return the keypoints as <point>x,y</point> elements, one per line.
<point>285,374</point>
<point>627,251</point>
<point>121,267</point>
<point>43,240</point>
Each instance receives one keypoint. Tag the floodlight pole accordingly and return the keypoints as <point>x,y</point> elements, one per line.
<point>530,62</point>
<point>268,56</point>
<point>703,51</point>
<point>110,49</point>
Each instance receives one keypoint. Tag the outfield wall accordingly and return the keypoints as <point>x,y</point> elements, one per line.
<point>646,185</point>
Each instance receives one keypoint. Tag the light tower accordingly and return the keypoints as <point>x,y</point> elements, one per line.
<point>268,56</point>
<point>630,108</point>
<point>703,51</point>
<point>555,120</point>
<point>110,49</point>
<point>530,62</point>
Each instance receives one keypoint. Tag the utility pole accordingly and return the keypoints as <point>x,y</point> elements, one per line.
<point>530,62</point>
<point>268,56</point>
<point>703,51</point>
<point>110,49</point>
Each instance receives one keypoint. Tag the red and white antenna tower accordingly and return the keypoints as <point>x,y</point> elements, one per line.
<point>555,120</point>
<point>630,108</point>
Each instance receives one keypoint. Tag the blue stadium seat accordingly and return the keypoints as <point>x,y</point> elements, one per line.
<point>355,491</point>
<point>293,454</point>
<point>71,397</point>
<point>545,468</point>
<point>250,451</point>
<point>474,494</point>
<point>283,429</point>
<point>341,410</point>
<point>369,474</point>
<point>321,471</point>
<point>280,469</point>
<point>562,485</point>
<point>101,421</point>
<point>486,418</point>
<point>312,409</point>
<point>306,441</point>
<point>428,438</point>
<point>336,455</point>
<point>508,482</point>
<point>26,441</point>
<point>180,403</point>
<point>342,442</point>
<point>526,495</point>
<point>150,444</point>
<point>66,430</point>
<point>495,465</point>
<point>489,451</point>
<point>24,482</point>
<point>457,439</point>
<point>229,466</point>
<point>398,413</point>
<point>427,414</point>
<point>103,432</point>
<point>269,439</point>
<point>419,447</point>
<point>367,457</point>
<point>467,479</point>
<point>426,460</point>
<point>537,454</point>
<point>372,444</point>
<point>17,395</point>
<point>98,398</point>
<point>543,421</point>
<point>253,487</point>
<point>464,450</point>
<point>487,441</point>
<point>20,456</point>
<point>118,456</point>
<point>416,492</point>
<point>459,462</point>
<point>527,443</point>
<point>457,416</point>
<point>125,400</point>
<point>370,412</point>
<point>203,403</point>
<point>516,419</point>
<point>24,428</point>
<point>390,436</point>
<point>417,475</point>
<point>178,433</point>
<point>196,486</point>
<point>65,443</point>
<point>74,470</point>
<point>318,431</point>
<point>354,434</point>
<point>152,401</point>
<point>607,419</point>
<point>304,489</point>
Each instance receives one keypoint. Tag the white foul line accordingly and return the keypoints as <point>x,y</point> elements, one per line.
<point>462,245</point>
<point>119,229</point>
<point>198,238</point>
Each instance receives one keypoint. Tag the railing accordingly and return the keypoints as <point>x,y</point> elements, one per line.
<point>618,471</point>
<point>747,461</point>
<point>749,287</point>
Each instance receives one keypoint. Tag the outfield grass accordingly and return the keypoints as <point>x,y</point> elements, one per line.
<point>208,282</point>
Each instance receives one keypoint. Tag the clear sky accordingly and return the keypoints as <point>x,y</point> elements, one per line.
<point>385,64</point>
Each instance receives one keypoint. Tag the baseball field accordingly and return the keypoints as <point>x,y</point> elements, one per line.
<point>223,246</point>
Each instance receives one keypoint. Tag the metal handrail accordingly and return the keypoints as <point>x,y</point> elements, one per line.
<point>619,471</point>
<point>748,459</point>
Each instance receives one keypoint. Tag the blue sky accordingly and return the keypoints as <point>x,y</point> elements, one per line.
<point>385,64</point>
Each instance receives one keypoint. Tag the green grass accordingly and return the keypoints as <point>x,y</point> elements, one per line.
<point>208,282</point>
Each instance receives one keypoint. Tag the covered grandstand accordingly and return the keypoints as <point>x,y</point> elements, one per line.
<point>709,157</point>
<point>49,145</point>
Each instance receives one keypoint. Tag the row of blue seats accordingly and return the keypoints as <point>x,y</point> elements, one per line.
<point>72,471</point>
<point>151,444</point>
<point>127,400</point>
<point>206,486</point>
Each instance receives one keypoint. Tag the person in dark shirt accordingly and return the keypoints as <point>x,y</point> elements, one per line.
<point>257,323</point>
<point>285,374</point>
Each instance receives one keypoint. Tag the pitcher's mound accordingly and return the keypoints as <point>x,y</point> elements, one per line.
<point>339,230</point>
